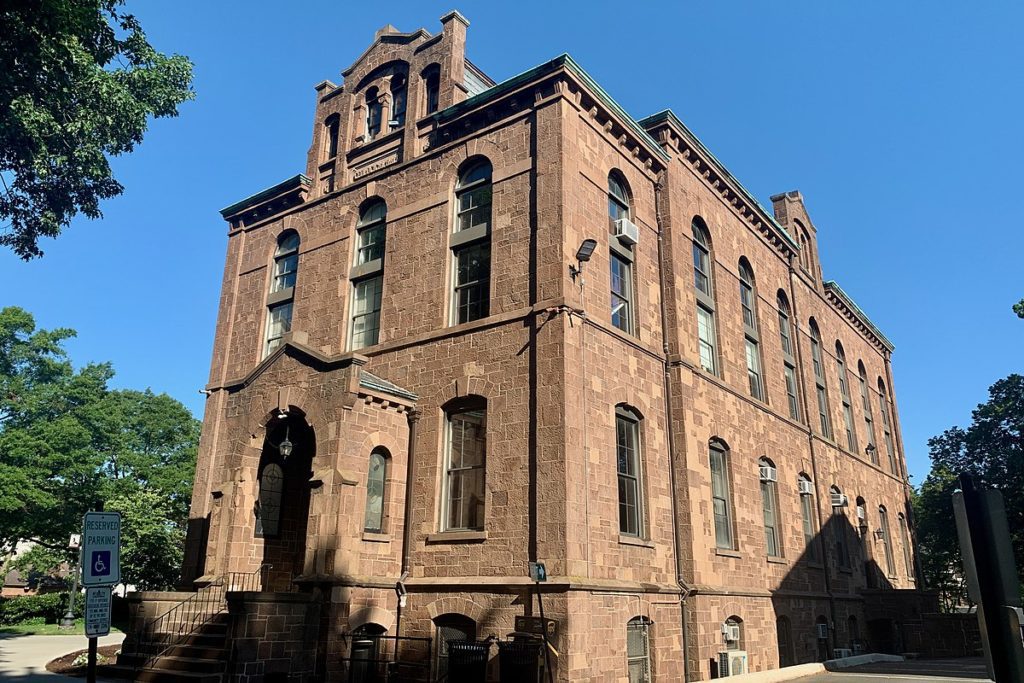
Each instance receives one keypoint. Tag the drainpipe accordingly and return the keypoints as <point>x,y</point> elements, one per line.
<point>810,440</point>
<point>413,417</point>
<point>684,588</point>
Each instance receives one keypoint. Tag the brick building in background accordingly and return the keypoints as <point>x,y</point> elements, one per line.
<point>692,428</point>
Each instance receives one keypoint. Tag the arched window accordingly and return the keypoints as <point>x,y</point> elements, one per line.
<point>399,86</point>
<point>707,337</point>
<point>807,517</point>
<point>471,243</point>
<point>721,495</point>
<point>770,507</point>
<point>627,459</point>
<point>366,653</point>
<point>268,515</point>
<point>883,404</point>
<point>788,356</point>
<point>844,394</point>
<point>376,481</point>
<point>784,635</point>
<point>331,126</point>
<point>281,298</point>
<point>840,530</point>
<point>431,87</point>
<point>865,399</point>
<point>905,542</point>
<point>374,112</point>
<point>622,256</point>
<point>732,633</point>
<point>368,274</point>
<point>886,539</point>
<point>819,381</point>
<point>449,628</point>
<point>465,459</point>
<point>638,650</point>
<point>751,338</point>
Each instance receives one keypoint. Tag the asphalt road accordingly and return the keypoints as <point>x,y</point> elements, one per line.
<point>23,658</point>
<point>971,670</point>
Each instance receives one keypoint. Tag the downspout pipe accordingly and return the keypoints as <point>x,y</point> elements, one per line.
<point>684,588</point>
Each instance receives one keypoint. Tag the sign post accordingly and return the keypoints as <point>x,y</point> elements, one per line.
<point>101,569</point>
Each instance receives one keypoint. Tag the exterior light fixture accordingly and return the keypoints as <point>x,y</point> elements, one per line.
<point>583,255</point>
<point>285,447</point>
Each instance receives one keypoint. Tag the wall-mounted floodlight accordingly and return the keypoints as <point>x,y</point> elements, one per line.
<point>583,255</point>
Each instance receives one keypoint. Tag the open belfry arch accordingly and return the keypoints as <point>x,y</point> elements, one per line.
<point>418,386</point>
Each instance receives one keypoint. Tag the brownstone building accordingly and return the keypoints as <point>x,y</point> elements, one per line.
<point>500,323</point>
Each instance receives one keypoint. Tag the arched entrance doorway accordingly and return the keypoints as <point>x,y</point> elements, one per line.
<point>282,508</point>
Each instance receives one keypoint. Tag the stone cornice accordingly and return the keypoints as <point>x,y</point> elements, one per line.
<point>673,133</point>
<point>842,302</point>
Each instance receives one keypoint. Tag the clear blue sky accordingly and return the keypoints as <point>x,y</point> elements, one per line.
<point>899,121</point>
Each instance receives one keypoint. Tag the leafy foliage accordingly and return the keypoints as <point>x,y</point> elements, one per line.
<point>78,83</point>
<point>992,451</point>
<point>67,441</point>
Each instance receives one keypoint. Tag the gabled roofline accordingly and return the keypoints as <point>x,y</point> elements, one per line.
<point>832,287</point>
<point>296,182</point>
<point>668,116</point>
<point>569,64</point>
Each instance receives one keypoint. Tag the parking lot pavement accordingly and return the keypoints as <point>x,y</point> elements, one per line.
<point>967,670</point>
<point>23,658</point>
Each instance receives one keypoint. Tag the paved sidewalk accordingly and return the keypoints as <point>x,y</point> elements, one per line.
<point>23,658</point>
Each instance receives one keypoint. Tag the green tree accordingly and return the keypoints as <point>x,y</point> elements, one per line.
<point>68,441</point>
<point>78,83</point>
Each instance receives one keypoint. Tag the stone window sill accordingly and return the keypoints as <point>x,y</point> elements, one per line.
<point>374,537</point>
<point>458,537</point>
<point>635,540</point>
<point>725,552</point>
<point>776,560</point>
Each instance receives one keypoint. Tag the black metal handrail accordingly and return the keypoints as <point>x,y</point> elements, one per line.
<point>170,629</point>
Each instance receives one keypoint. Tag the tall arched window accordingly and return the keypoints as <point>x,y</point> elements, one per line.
<point>844,394</point>
<point>331,126</point>
<point>431,87</point>
<point>376,481</point>
<point>721,495</point>
<point>465,461</point>
<point>751,338</point>
<point>788,356</point>
<point>471,243</point>
<point>770,507</point>
<point>638,650</point>
<point>840,527</point>
<point>886,539</point>
<point>808,518</point>
<point>621,258</point>
<point>628,466</point>
<point>368,274</point>
<point>374,112</point>
<point>825,424</point>
<point>707,337</point>
<point>448,628</point>
<point>280,300</point>
<point>268,515</point>
<point>908,564</point>
<point>883,404</point>
<point>865,399</point>
<point>784,635</point>
<point>399,86</point>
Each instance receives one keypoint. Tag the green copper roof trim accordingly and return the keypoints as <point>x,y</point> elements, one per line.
<point>838,291</point>
<point>669,115</point>
<point>283,186</point>
<point>569,63</point>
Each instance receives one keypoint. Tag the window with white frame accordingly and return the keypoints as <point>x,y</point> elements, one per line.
<point>465,460</point>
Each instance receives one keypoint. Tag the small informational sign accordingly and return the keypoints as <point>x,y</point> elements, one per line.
<point>538,572</point>
<point>97,611</point>
<point>548,627</point>
<point>101,549</point>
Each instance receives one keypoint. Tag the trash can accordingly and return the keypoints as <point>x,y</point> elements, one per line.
<point>467,660</point>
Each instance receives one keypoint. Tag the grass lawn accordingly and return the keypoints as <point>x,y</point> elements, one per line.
<point>48,629</point>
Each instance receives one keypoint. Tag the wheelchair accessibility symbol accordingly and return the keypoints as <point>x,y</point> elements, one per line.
<point>100,563</point>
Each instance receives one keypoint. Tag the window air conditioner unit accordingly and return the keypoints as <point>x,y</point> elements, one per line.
<point>627,231</point>
<point>841,652</point>
<point>822,631</point>
<point>732,663</point>
<point>731,633</point>
<point>839,500</point>
<point>861,514</point>
<point>768,473</point>
<point>805,487</point>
